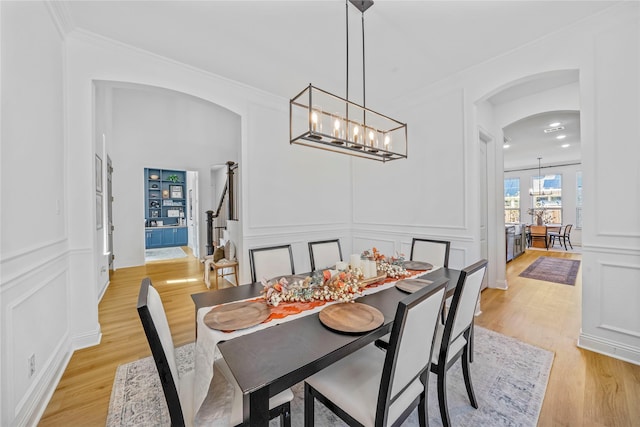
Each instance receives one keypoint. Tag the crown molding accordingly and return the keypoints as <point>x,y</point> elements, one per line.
<point>61,16</point>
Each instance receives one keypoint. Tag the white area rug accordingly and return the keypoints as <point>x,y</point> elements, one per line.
<point>509,377</point>
<point>160,254</point>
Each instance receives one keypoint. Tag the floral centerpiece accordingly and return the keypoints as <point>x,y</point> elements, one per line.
<point>392,266</point>
<point>342,286</point>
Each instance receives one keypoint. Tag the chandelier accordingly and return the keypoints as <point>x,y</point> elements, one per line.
<point>540,191</point>
<point>322,120</point>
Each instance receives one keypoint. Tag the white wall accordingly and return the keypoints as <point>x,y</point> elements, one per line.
<point>37,310</point>
<point>157,128</point>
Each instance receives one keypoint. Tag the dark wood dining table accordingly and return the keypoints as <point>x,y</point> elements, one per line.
<point>271,360</point>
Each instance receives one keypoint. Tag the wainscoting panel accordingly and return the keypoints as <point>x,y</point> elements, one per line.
<point>35,334</point>
<point>611,303</point>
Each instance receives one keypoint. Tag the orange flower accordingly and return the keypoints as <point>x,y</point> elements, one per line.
<point>277,287</point>
<point>326,274</point>
<point>342,275</point>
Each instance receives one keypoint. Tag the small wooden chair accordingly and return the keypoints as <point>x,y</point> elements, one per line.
<point>226,266</point>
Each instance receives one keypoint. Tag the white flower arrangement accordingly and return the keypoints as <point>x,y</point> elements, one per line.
<point>322,286</point>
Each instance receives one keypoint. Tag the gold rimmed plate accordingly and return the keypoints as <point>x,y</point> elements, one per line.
<point>351,318</point>
<point>237,315</point>
<point>412,285</point>
<point>417,265</point>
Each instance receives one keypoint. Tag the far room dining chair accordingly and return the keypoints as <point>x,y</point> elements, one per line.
<point>562,236</point>
<point>537,233</point>
<point>178,389</point>
<point>324,254</point>
<point>435,252</point>
<point>370,387</point>
<point>269,262</point>
<point>453,340</point>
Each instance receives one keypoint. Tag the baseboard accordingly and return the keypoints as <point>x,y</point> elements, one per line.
<point>87,340</point>
<point>39,397</point>
<point>500,284</point>
<point>609,348</point>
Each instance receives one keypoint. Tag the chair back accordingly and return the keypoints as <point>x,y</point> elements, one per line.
<point>435,252</point>
<point>408,355</point>
<point>156,328</point>
<point>463,304</point>
<point>538,230</point>
<point>567,230</point>
<point>324,254</point>
<point>269,262</point>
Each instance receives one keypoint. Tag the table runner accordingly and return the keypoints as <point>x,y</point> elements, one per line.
<point>206,351</point>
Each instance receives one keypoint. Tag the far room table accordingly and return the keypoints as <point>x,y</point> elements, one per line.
<point>271,360</point>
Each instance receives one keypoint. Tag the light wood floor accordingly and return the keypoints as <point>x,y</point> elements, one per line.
<point>585,388</point>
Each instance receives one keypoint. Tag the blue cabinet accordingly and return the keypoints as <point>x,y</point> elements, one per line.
<point>162,237</point>
<point>153,238</point>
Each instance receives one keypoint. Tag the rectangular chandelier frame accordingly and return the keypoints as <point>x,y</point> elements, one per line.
<point>322,120</point>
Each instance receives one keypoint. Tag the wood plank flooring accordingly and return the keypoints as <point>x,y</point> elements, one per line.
<point>585,388</point>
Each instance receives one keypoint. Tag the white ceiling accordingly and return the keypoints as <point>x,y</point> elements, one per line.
<point>528,141</point>
<point>282,46</point>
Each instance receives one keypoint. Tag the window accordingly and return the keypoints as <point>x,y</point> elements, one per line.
<point>547,198</point>
<point>579,199</point>
<point>511,200</point>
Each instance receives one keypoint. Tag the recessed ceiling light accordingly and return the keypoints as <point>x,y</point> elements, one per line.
<point>506,146</point>
<point>561,136</point>
<point>554,124</point>
<point>565,145</point>
<point>554,129</point>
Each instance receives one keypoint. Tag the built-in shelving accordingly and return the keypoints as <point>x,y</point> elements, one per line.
<point>165,205</point>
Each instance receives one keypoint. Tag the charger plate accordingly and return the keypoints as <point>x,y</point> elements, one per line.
<point>417,265</point>
<point>237,315</point>
<point>412,285</point>
<point>351,318</point>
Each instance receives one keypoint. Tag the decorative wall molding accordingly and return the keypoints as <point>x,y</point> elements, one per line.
<point>610,250</point>
<point>61,16</point>
<point>18,267</point>
<point>609,348</point>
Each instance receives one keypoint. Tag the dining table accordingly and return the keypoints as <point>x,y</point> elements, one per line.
<point>268,359</point>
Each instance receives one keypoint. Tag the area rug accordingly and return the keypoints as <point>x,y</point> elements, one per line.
<point>160,254</point>
<point>550,269</point>
<point>509,377</point>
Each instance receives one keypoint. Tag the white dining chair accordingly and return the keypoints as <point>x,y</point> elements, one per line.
<point>269,262</point>
<point>370,387</point>
<point>454,338</point>
<point>435,252</point>
<point>178,389</point>
<point>324,254</point>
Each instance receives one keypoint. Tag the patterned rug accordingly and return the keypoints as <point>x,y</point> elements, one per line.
<point>160,254</point>
<point>550,269</point>
<point>509,377</point>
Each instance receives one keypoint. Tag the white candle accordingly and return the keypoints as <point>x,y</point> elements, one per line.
<point>354,261</point>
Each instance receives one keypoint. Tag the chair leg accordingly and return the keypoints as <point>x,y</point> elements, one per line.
<point>235,274</point>
<point>207,269</point>
<point>285,416</point>
<point>215,277</point>
<point>568,240</point>
<point>308,406</point>
<point>471,335</point>
<point>423,420</point>
<point>442,396</point>
<point>467,377</point>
